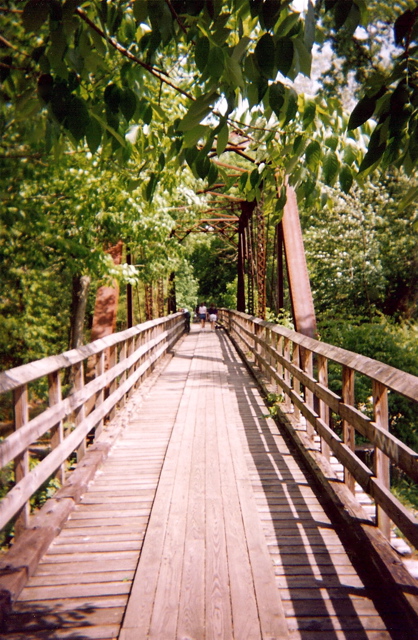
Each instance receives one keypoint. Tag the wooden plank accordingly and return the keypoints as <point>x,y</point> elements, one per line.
<point>138,614</point>
<point>191,605</point>
<point>243,600</point>
<point>218,602</point>
<point>270,608</point>
<point>165,607</point>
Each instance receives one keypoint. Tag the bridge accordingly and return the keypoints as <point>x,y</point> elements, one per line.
<point>210,487</point>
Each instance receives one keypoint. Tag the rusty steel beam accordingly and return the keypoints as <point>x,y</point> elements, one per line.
<point>297,270</point>
<point>261,262</point>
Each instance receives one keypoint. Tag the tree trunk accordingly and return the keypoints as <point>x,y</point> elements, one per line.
<point>106,307</point>
<point>81,286</point>
<point>172,302</point>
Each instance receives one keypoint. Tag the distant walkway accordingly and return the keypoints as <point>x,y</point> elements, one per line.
<point>201,524</point>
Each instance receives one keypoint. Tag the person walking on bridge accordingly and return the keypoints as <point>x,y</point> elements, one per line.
<point>202,313</point>
<point>213,315</point>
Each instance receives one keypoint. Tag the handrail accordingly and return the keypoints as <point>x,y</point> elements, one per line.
<point>114,366</point>
<point>287,359</point>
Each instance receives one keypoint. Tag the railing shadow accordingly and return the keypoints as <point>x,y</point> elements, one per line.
<point>320,593</point>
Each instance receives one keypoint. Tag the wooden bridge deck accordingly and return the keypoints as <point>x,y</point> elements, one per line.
<point>201,524</point>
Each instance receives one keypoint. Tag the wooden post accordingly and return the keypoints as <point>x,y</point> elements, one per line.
<point>348,429</point>
<point>112,386</point>
<point>286,372</point>
<point>57,431</point>
<point>296,382</point>
<point>99,370</point>
<point>381,461</point>
<point>80,413</point>
<point>122,356</point>
<point>21,462</point>
<point>307,366</point>
<point>323,408</point>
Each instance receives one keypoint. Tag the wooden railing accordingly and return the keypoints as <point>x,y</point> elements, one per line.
<point>298,367</point>
<point>101,375</point>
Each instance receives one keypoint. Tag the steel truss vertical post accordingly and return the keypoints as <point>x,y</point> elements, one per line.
<point>261,262</point>
<point>160,302</point>
<point>149,314</point>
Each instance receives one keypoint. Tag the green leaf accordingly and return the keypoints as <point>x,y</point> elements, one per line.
<point>110,129</point>
<point>77,118</point>
<point>203,165</point>
<point>254,178</point>
<point>112,97</point>
<point>216,62</point>
<point>408,198</point>
<point>330,168</point>
<point>93,135</point>
<point>372,156</point>
<point>309,114</point>
<point>287,24</point>
<point>346,178</point>
<point>222,140</point>
<point>193,135</point>
<point>140,10</point>
<point>35,13</point>
<point>127,103</point>
<point>199,109</point>
<point>277,97</point>
<point>265,54</point>
<point>201,54</point>
<point>404,25</point>
<point>212,174</point>
<point>250,68</point>
<point>363,110</point>
<point>233,74</point>
<point>270,12</point>
<point>332,142</point>
<point>151,186</point>
<point>284,55</point>
<point>291,105</point>
<point>341,12</point>
<point>304,57</point>
<point>190,155</point>
<point>240,48</point>
<point>281,199</point>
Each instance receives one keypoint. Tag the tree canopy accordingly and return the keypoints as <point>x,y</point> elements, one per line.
<point>191,79</point>
<point>130,120</point>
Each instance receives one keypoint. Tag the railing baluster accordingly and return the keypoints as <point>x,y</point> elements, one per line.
<point>80,413</point>
<point>99,370</point>
<point>57,431</point>
<point>381,461</point>
<point>296,381</point>
<point>323,408</point>
<point>122,357</point>
<point>348,397</point>
<point>286,354</point>
<point>112,359</point>
<point>21,462</point>
<point>307,366</point>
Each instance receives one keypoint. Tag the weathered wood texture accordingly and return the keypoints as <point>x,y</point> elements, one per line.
<point>266,346</point>
<point>202,524</point>
<point>84,410</point>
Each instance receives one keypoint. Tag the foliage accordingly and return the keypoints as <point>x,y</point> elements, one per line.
<point>395,345</point>
<point>206,258</point>
<point>102,75</point>
<point>363,252</point>
<point>186,287</point>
